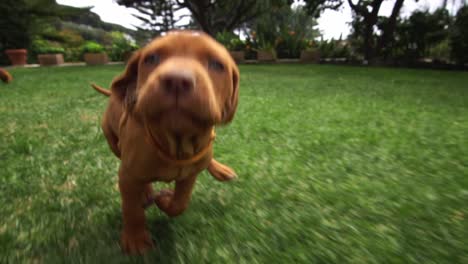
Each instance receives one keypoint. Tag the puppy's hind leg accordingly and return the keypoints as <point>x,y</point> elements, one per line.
<point>220,171</point>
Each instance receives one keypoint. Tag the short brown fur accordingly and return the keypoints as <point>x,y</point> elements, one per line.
<point>5,76</point>
<point>139,106</point>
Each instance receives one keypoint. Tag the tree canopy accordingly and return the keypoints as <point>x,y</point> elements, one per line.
<point>215,16</point>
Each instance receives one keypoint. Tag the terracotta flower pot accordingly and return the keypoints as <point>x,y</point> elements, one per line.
<point>238,56</point>
<point>17,57</point>
<point>96,58</point>
<point>310,56</point>
<point>50,59</point>
<point>266,56</point>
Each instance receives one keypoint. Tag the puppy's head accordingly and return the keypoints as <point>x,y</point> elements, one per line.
<point>182,76</point>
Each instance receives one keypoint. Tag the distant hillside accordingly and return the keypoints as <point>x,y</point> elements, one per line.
<point>84,16</point>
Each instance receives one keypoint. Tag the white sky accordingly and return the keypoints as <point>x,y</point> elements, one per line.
<point>331,23</point>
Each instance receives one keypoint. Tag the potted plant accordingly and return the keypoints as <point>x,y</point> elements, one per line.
<point>17,57</point>
<point>310,54</point>
<point>94,53</point>
<point>47,53</point>
<point>266,52</point>
<point>51,56</point>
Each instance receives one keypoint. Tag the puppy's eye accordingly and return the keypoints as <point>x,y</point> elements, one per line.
<point>153,59</point>
<point>215,65</point>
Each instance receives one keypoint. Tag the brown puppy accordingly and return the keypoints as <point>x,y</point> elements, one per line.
<point>160,122</point>
<point>5,76</point>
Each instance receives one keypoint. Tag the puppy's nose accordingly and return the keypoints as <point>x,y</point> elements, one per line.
<point>178,83</point>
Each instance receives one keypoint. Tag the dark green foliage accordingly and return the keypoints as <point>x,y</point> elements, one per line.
<point>15,27</point>
<point>425,29</point>
<point>15,24</point>
<point>421,35</point>
<point>459,36</point>
<point>335,165</point>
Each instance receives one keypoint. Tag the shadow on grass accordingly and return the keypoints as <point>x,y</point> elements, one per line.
<point>163,238</point>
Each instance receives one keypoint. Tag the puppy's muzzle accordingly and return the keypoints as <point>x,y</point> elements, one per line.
<point>178,84</point>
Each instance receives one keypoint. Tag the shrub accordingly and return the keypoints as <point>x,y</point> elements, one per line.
<point>71,38</point>
<point>334,49</point>
<point>52,50</point>
<point>92,47</point>
<point>309,45</point>
<point>440,52</point>
<point>73,54</point>
<point>289,45</point>
<point>44,47</point>
<point>121,46</point>
<point>237,44</point>
<point>251,46</point>
<point>41,46</point>
<point>230,40</point>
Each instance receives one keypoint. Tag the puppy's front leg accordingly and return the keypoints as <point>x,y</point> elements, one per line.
<point>220,171</point>
<point>173,203</point>
<point>135,238</point>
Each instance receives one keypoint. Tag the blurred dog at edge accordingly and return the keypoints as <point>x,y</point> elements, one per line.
<point>160,122</point>
<point>5,76</point>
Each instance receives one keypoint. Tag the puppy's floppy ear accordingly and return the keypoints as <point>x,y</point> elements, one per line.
<point>231,104</point>
<point>124,85</point>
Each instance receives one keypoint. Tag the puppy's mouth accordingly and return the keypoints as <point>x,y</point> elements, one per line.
<point>177,113</point>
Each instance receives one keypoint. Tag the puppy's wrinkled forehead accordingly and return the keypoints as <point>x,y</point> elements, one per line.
<point>186,43</point>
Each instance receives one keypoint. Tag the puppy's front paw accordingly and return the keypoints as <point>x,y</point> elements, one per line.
<point>220,171</point>
<point>136,243</point>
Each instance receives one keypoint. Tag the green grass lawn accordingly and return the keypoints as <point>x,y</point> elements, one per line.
<point>335,164</point>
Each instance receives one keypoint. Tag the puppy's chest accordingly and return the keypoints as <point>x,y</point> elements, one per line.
<point>151,168</point>
<point>142,160</point>
<point>168,174</point>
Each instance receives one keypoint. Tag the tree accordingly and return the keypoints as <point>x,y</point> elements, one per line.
<point>159,16</point>
<point>388,29</point>
<point>427,29</point>
<point>213,16</point>
<point>365,14</point>
<point>210,16</point>
<point>459,36</point>
<point>315,7</point>
<point>423,34</point>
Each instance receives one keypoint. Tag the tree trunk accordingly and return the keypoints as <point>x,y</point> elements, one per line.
<point>444,4</point>
<point>370,20</point>
<point>389,27</point>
